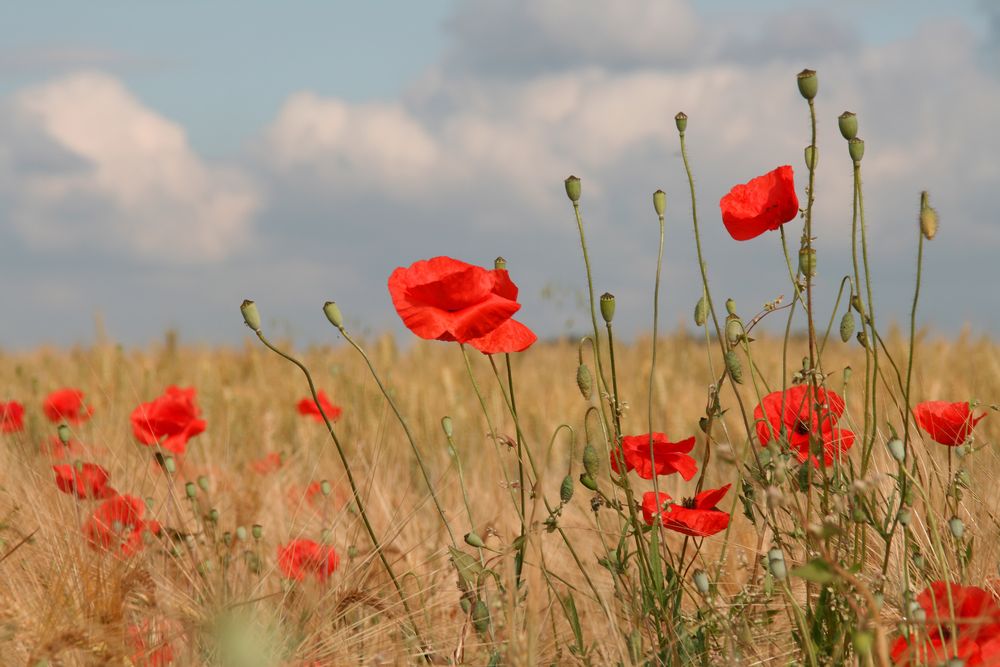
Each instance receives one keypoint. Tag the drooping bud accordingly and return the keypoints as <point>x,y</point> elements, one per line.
<point>807,262</point>
<point>928,217</point>
<point>681,120</point>
<point>573,189</point>
<point>608,307</point>
<point>808,83</point>
<point>847,326</point>
<point>734,367</point>
<point>701,581</point>
<point>862,338</point>
<point>734,329</point>
<point>588,482</point>
<point>731,306</point>
<point>566,490</point>
<point>500,263</point>
<point>776,564</point>
<point>473,540</point>
<point>250,314</point>
<point>584,381</point>
<point>812,157</point>
<point>446,426</point>
<point>591,460</point>
<point>660,202</point>
<point>332,312</point>
<point>957,527</point>
<point>856,149</point>
<point>481,617</point>
<point>848,122</point>
<point>896,449</point>
<point>700,312</point>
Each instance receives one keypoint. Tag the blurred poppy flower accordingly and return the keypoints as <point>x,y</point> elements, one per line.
<point>303,557</point>
<point>670,457</point>
<point>697,517</point>
<point>170,420</point>
<point>54,448</point>
<point>11,417</point>
<point>446,299</point>
<point>267,464</point>
<point>806,414</point>
<point>85,480</point>
<point>947,423</point>
<point>972,635</point>
<point>763,204</point>
<point>150,648</point>
<point>117,524</point>
<point>509,337</point>
<point>66,405</point>
<point>307,407</point>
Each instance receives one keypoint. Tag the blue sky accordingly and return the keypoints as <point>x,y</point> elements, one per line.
<point>160,162</point>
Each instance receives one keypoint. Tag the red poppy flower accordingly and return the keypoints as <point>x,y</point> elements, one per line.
<point>66,405</point>
<point>86,480</point>
<point>268,464</point>
<point>670,457</point>
<point>302,557</point>
<point>170,420</point>
<point>150,648</point>
<point>445,299</point>
<point>974,630</point>
<point>11,417</point>
<point>765,203</point>
<point>697,517</point>
<point>947,423</point>
<point>802,419</point>
<point>307,407</point>
<point>117,523</point>
<point>509,337</point>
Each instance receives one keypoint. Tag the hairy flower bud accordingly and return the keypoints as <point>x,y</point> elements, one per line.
<point>734,329</point>
<point>848,122</point>
<point>659,202</point>
<point>700,312</point>
<point>481,617</point>
<point>896,449</point>
<point>203,482</point>
<point>734,367</point>
<point>250,314</point>
<point>566,489</point>
<point>847,326</point>
<point>588,482</point>
<point>573,189</point>
<point>957,527</point>
<point>332,312</point>
<point>776,564</point>
<point>190,490</point>
<point>731,306</point>
<point>812,157</point>
<point>473,540</point>
<point>701,581</point>
<point>681,120</point>
<point>584,381</point>
<point>608,307</point>
<point>807,262</point>
<point>64,434</point>
<point>808,83</point>
<point>257,531</point>
<point>591,460</point>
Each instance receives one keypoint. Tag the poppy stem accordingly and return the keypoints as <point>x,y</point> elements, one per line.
<point>652,372</point>
<point>868,315</point>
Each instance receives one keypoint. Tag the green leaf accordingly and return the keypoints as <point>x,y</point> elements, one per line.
<point>468,567</point>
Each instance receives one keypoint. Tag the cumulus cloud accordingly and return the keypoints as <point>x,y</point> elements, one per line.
<point>107,173</point>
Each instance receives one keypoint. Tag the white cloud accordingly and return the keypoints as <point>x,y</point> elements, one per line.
<point>130,184</point>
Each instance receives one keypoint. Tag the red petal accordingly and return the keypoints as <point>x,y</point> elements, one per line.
<point>509,337</point>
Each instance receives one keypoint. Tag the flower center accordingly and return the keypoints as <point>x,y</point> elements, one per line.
<point>688,503</point>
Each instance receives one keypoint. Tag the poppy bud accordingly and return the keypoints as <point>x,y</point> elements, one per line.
<point>918,561</point>
<point>700,312</point>
<point>608,307</point>
<point>957,527</point>
<point>500,263</point>
<point>250,314</point>
<point>325,488</point>
<point>241,533</point>
<point>473,540</point>
<point>863,642</point>
<point>904,517</point>
<point>64,434</point>
<point>776,564</point>
<point>584,381</point>
<point>203,482</point>
<point>808,83</point>
<point>481,616</point>
<point>734,329</point>
<point>928,217</point>
<point>573,189</point>
<point>332,312</point>
<point>659,202</point>
<point>896,449</point>
<point>190,490</point>
<point>812,157</point>
<point>566,490</point>
<point>591,460</point>
<point>731,306</point>
<point>446,426</point>
<point>856,149</point>
<point>170,465</point>
<point>213,515</point>
<point>257,530</point>
<point>588,482</point>
<point>862,338</point>
<point>701,581</point>
<point>807,262</point>
<point>734,367</point>
<point>847,326</point>
<point>465,604</point>
<point>681,120</point>
<point>848,122</point>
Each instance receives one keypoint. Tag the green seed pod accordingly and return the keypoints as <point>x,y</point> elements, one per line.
<point>856,149</point>
<point>896,449</point>
<point>64,434</point>
<point>734,367</point>
<point>352,552</point>
<point>250,314</point>
<point>190,490</point>
<point>584,381</point>
<point>213,515</point>
<point>227,538</point>
<point>807,262</point>
<point>473,540</point>
<point>591,460</point>
<point>660,202</point>
<point>203,482</point>
<point>241,533</point>
<point>928,217</point>
<point>466,604</point>
<point>588,482</point>
<point>481,617</point>
<point>862,640</point>
<point>170,465</point>
<point>500,263</point>
<point>332,312</point>
<point>848,123</point>
<point>681,120</point>
<point>847,326</point>
<point>957,527</point>
<point>608,307</point>
<point>808,83</point>
<point>701,581</point>
<point>812,157</point>
<point>731,306</point>
<point>257,531</point>
<point>734,329</point>
<point>700,312</point>
<point>566,489</point>
<point>325,488</point>
<point>776,564</point>
<point>446,426</point>
<point>573,189</point>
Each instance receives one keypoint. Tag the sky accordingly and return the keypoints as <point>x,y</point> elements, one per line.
<point>160,162</point>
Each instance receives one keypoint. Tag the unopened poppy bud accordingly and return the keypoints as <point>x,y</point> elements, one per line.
<point>500,263</point>
<point>213,515</point>
<point>608,307</point>
<point>170,465</point>
<point>957,527</point>
<point>190,489</point>
<point>584,381</point>
<point>731,306</point>
<point>325,487</point>
<point>332,312</point>
<point>257,531</point>
<point>241,533</point>
<point>896,449</point>
<point>681,120</point>
<point>734,329</point>
<point>776,564</point>
<point>250,314</point>
<point>446,426</point>
<point>700,312</point>
<point>856,149</point>
<point>591,460</point>
<point>863,642</point>
<point>473,540</point>
<point>660,202</point>
<point>481,617</point>
<point>862,338</point>
<point>807,262</point>
<point>734,367</point>
<point>848,122</point>
<point>64,434</point>
<point>847,326</point>
<point>465,604</point>
<point>701,581</point>
<point>812,157</point>
<point>904,517</point>
<point>808,83</point>
<point>573,189</point>
<point>227,538</point>
<point>566,489</point>
<point>588,482</point>
<point>203,482</point>
<point>928,217</point>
